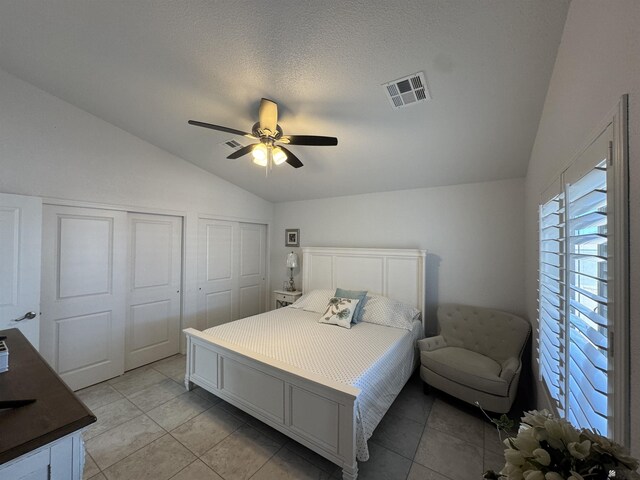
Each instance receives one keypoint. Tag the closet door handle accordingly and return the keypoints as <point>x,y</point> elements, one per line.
<point>26,316</point>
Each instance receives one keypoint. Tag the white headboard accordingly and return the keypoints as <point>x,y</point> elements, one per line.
<point>394,273</point>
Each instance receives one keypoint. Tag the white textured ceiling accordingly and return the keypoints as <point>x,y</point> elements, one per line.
<point>147,66</point>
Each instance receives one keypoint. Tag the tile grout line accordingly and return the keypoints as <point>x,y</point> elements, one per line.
<point>426,422</point>
<point>137,449</point>
<point>199,457</point>
<point>268,460</point>
<point>424,429</point>
<point>100,470</point>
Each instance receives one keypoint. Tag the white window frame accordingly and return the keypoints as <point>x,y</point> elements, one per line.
<point>618,267</point>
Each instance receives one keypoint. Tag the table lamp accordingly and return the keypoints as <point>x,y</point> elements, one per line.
<point>292,262</point>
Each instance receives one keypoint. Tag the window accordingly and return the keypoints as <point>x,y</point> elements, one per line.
<point>583,286</point>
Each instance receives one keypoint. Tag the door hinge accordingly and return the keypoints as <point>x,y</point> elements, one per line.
<point>610,347</point>
<point>610,152</point>
<point>49,472</point>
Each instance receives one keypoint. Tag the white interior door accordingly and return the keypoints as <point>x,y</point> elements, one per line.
<point>83,293</point>
<point>155,274</point>
<point>251,277</point>
<point>231,271</point>
<point>20,244</point>
<point>217,272</point>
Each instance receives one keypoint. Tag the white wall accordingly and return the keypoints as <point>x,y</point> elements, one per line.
<point>473,235</point>
<point>598,61</point>
<point>50,148</point>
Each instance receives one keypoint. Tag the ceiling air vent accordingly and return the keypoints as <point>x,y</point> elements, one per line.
<point>407,91</point>
<point>232,144</point>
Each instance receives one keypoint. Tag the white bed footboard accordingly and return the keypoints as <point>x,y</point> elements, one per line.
<point>315,411</point>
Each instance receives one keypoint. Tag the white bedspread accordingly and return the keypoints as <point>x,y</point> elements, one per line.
<point>376,359</point>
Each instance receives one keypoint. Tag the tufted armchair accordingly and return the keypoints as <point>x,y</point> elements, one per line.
<point>477,356</point>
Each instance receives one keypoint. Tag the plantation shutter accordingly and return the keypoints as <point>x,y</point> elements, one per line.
<point>587,280</point>
<point>583,285</point>
<point>551,291</point>
<point>573,307</point>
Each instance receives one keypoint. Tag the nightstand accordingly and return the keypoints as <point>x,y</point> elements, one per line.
<point>282,298</point>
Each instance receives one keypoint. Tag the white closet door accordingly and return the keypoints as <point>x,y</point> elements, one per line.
<point>155,272</point>
<point>83,293</point>
<point>251,276</point>
<point>20,239</point>
<point>217,272</point>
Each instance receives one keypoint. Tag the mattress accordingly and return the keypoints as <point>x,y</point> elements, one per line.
<point>374,358</point>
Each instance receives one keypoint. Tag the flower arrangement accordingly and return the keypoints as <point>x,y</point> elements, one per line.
<point>547,448</point>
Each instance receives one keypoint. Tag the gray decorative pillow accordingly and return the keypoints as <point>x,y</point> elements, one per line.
<point>360,295</point>
<point>339,311</point>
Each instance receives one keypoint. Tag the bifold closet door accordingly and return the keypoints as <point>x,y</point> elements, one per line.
<point>231,271</point>
<point>84,254</point>
<point>217,271</point>
<point>155,273</point>
<point>252,273</point>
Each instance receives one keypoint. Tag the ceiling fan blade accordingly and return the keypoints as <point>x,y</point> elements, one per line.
<point>292,159</point>
<point>268,115</point>
<point>309,140</point>
<point>220,128</point>
<point>242,151</point>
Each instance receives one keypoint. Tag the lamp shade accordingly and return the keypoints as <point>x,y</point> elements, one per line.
<point>259,153</point>
<point>292,260</point>
<point>279,156</point>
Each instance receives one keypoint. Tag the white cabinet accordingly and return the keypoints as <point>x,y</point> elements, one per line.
<point>62,459</point>
<point>43,439</point>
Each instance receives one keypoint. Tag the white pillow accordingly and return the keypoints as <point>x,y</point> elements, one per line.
<point>339,311</point>
<point>389,312</point>
<point>314,301</point>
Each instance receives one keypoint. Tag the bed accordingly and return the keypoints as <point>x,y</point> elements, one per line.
<point>324,386</point>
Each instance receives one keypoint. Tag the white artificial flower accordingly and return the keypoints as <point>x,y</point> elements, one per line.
<point>569,433</point>
<point>553,476</point>
<point>541,456</point>
<point>579,450</point>
<point>526,444</point>
<point>512,472</point>
<point>603,445</point>
<point>536,418</point>
<point>575,476</point>
<point>514,457</point>
<point>554,434</point>
<point>533,475</point>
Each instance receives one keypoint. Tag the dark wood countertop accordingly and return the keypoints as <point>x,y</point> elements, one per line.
<point>57,411</point>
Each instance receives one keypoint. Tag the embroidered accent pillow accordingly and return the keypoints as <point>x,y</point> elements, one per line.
<point>339,311</point>
<point>362,296</point>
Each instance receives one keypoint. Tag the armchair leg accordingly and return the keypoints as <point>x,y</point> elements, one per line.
<point>425,388</point>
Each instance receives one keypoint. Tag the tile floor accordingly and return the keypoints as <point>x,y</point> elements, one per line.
<point>150,427</point>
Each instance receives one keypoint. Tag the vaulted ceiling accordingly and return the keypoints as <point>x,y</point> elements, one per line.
<point>148,66</point>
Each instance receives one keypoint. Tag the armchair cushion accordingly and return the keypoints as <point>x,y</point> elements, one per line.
<point>467,368</point>
<point>431,343</point>
<point>509,368</point>
<point>497,335</point>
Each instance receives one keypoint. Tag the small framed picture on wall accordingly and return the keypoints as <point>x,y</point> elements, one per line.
<point>292,237</point>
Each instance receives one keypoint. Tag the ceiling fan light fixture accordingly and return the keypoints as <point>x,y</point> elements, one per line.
<point>259,154</point>
<point>267,153</point>
<point>279,156</point>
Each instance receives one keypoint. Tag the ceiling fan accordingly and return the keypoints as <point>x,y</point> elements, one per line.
<point>269,150</point>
